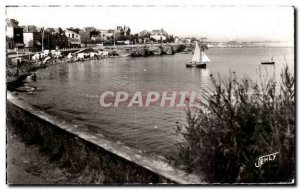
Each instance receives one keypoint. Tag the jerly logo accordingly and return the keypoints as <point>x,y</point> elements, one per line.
<point>266,158</point>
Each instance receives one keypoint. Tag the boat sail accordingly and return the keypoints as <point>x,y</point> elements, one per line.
<point>271,61</point>
<point>199,58</point>
<point>197,54</point>
<point>205,59</point>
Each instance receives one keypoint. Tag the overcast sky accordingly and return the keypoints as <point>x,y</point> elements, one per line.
<point>216,23</point>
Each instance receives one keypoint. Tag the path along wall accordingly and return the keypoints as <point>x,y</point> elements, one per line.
<point>76,147</point>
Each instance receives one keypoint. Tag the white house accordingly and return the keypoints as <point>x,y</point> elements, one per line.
<point>159,34</point>
<point>106,34</point>
<point>14,34</point>
<point>73,38</point>
<point>72,34</point>
<point>32,38</point>
<point>158,37</point>
<point>176,40</point>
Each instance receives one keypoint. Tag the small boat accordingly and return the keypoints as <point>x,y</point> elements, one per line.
<point>269,62</point>
<point>199,59</point>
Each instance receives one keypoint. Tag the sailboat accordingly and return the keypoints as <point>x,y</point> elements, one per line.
<point>199,58</point>
<point>271,61</point>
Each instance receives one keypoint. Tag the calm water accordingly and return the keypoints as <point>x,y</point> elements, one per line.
<point>71,91</point>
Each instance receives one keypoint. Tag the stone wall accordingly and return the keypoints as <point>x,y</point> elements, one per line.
<point>77,149</point>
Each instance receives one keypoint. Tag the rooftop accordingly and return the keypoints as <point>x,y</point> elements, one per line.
<point>31,29</point>
<point>10,23</point>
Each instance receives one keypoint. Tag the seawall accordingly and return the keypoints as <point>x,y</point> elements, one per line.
<point>75,147</point>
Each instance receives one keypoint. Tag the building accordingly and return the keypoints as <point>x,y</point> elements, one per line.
<point>32,38</point>
<point>233,43</point>
<point>73,38</point>
<point>56,38</point>
<point>95,35</point>
<point>187,40</point>
<point>145,34</point>
<point>106,34</point>
<point>159,35</point>
<point>177,40</point>
<point>14,35</point>
<point>127,31</point>
<point>159,32</point>
<point>90,35</point>
<point>122,33</point>
<point>119,30</point>
<point>221,45</point>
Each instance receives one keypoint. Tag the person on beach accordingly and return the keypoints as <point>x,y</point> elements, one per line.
<point>34,76</point>
<point>70,57</point>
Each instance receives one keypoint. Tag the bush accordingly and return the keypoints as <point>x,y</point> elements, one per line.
<point>236,123</point>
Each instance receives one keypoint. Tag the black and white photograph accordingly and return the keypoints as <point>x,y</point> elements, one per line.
<point>150,94</point>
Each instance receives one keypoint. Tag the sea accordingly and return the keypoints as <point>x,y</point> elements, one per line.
<point>71,91</point>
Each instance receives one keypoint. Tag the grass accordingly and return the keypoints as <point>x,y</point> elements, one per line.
<point>238,121</point>
<point>79,161</point>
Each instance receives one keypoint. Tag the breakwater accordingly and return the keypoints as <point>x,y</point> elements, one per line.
<point>76,148</point>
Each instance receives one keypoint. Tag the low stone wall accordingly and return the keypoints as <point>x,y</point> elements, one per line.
<point>74,147</point>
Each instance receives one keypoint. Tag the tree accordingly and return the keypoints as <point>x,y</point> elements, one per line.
<point>193,39</point>
<point>203,43</point>
<point>145,34</point>
<point>170,39</point>
<point>128,31</point>
<point>14,21</point>
<point>203,39</point>
<point>134,37</point>
<point>95,32</point>
<point>203,47</point>
<point>74,29</point>
<point>120,37</point>
<point>85,37</point>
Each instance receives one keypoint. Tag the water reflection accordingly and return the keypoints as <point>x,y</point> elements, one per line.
<point>76,87</point>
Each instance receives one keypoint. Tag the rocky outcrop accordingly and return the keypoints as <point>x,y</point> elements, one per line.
<point>140,52</point>
<point>168,50</point>
<point>113,53</point>
<point>156,50</point>
<point>147,50</point>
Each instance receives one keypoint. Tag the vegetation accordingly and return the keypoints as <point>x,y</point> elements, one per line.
<point>68,159</point>
<point>237,122</point>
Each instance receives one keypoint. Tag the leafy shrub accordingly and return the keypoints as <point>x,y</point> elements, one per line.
<point>238,121</point>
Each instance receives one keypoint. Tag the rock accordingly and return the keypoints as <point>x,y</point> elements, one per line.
<point>113,53</point>
<point>178,48</point>
<point>140,52</point>
<point>155,50</point>
<point>168,50</point>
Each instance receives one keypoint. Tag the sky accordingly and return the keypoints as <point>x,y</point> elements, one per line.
<point>242,23</point>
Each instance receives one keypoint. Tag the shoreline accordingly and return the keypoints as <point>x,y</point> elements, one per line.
<point>25,70</point>
<point>61,62</point>
<point>87,155</point>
